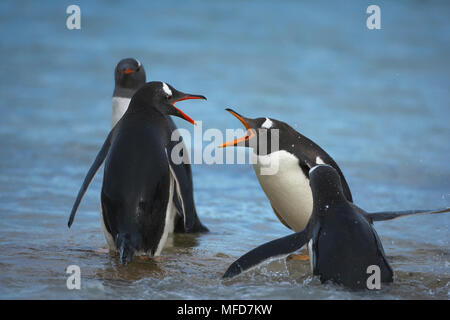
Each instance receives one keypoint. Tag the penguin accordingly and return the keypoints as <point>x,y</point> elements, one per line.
<point>288,188</point>
<point>129,76</point>
<point>143,187</point>
<point>341,238</point>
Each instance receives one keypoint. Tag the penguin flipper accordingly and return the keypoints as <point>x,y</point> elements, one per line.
<point>278,247</point>
<point>90,175</point>
<point>184,174</point>
<point>390,215</point>
<point>177,204</point>
<point>183,189</point>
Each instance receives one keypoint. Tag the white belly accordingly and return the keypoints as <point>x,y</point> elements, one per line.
<point>109,238</point>
<point>170,216</point>
<point>287,188</point>
<point>119,106</point>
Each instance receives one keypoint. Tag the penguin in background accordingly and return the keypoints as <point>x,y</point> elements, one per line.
<point>288,188</point>
<point>143,188</point>
<point>129,76</point>
<point>341,238</point>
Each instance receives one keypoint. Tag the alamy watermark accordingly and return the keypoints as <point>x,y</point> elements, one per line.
<point>73,21</point>
<point>374,20</point>
<point>74,280</point>
<point>374,280</point>
<point>190,149</point>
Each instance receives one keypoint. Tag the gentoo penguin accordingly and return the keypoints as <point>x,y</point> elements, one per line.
<point>140,177</point>
<point>288,187</point>
<point>341,238</point>
<point>129,76</point>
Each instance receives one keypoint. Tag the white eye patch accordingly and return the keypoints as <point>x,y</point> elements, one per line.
<point>139,63</point>
<point>319,160</point>
<point>267,124</point>
<point>166,89</point>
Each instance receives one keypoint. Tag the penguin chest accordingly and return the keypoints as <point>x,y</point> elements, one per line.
<point>119,106</point>
<point>286,186</point>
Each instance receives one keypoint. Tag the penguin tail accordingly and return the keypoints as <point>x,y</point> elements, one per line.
<point>389,215</point>
<point>126,248</point>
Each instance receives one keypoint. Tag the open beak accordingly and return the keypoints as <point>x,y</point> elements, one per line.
<point>248,134</point>
<point>185,96</point>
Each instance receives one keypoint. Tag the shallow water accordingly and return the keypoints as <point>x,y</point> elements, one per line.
<point>377,101</point>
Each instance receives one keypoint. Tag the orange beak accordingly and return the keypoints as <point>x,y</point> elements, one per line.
<point>248,134</point>
<point>184,115</point>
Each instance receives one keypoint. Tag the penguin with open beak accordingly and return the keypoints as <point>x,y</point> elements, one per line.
<point>287,187</point>
<point>294,155</point>
<point>143,186</point>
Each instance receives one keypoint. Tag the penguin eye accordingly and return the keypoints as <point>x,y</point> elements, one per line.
<point>138,68</point>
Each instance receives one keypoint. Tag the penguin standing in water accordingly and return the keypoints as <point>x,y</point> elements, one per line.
<point>342,241</point>
<point>143,188</point>
<point>341,238</point>
<point>129,76</point>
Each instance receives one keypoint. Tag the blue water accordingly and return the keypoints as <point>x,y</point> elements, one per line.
<point>377,101</point>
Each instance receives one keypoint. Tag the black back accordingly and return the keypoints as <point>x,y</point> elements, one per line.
<point>137,175</point>
<point>345,242</point>
<point>136,181</point>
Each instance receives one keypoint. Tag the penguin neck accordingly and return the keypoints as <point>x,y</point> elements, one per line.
<point>145,109</point>
<point>324,198</point>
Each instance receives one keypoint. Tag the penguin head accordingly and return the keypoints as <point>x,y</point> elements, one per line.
<point>129,74</point>
<point>162,97</point>
<point>260,128</point>
<point>326,186</point>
